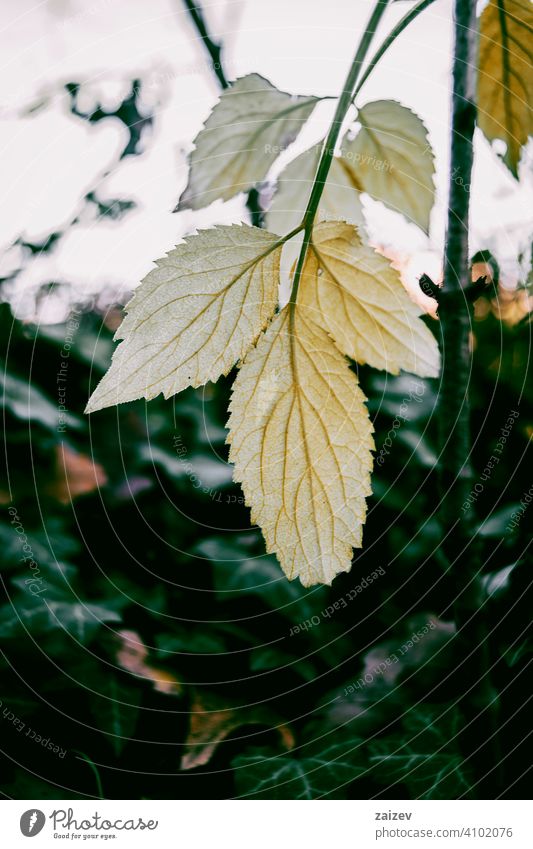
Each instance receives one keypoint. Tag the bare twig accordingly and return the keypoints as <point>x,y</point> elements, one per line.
<point>472,292</point>
<point>215,52</point>
<point>213,49</point>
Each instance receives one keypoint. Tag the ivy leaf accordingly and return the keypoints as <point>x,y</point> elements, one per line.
<point>115,705</point>
<point>392,159</point>
<point>426,757</point>
<point>513,654</point>
<point>429,775</point>
<point>25,401</point>
<point>194,315</point>
<point>340,198</point>
<point>236,576</point>
<point>81,619</point>
<point>322,770</point>
<point>26,786</point>
<point>505,79</point>
<point>360,300</point>
<point>268,657</point>
<point>496,583</point>
<point>301,442</point>
<point>245,133</point>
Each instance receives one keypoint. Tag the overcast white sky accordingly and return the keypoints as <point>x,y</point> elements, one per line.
<point>50,159</point>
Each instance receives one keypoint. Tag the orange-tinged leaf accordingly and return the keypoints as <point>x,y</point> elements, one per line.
<point>75,475</point>
<point>133,656</point>
<point>211,722</point>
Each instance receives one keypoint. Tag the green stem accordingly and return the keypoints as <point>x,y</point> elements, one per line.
<point>92,765</point>
<point>454,310</point>
<point>328,149</point>
<point>478,700</point>
<point>392,36</point>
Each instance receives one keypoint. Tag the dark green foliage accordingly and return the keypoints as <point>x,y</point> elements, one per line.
<point>164,550</point>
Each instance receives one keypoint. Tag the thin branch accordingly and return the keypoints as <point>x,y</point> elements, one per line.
<point>213,49</point>
<point>215,52</point>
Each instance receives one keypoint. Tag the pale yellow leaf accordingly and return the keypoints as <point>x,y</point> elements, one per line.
<point>301,442</point>
<point>194,315</point>
<point>245,133</point>
<point>359,298</point>
<point>340,199</point>
<point>392,159</point>
<point>505,80</point>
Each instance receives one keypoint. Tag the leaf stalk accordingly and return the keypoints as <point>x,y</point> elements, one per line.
<point>328,149</point>
<point>390,39</point>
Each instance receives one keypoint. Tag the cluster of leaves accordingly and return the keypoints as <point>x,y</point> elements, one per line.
<point>299,430</point>
<point>166,655</point>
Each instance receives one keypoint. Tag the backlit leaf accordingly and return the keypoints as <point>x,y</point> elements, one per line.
<point>359,299</point>
<point>340,199</point>
<point>392,159</point>
<point>505,79</point>
<point>244,134</point>
<point>194,315</point>
<point>301,442</point>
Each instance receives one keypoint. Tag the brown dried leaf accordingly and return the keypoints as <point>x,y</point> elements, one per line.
<point>132,655</point>
<point>75,475</point>
<point>211,723</point>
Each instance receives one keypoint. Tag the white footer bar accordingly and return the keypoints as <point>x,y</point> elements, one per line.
<point>268,824</point>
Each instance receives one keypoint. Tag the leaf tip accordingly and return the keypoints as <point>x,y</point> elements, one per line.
<point>93,405</point>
